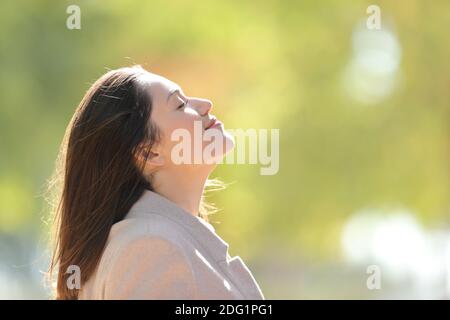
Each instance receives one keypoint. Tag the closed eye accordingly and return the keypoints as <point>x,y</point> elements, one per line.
<point>181,106</point>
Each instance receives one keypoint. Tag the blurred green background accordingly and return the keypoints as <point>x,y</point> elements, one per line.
<point>363,118</point>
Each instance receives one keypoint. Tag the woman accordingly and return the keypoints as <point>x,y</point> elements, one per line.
<point>130,218</point>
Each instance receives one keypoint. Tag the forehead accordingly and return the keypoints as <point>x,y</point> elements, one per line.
<point>159,86</point>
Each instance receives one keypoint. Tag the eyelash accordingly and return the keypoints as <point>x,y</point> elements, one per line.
<point>181,106</point>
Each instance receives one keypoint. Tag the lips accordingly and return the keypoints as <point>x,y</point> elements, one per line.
<point>211,123</point>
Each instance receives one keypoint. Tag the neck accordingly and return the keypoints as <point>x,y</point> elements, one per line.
<point>183,189</point>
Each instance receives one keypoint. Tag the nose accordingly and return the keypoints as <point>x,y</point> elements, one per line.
<point>204,106</point>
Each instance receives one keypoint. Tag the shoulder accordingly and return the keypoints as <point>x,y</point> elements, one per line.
<point>128,232</point>
<point>143,262</point>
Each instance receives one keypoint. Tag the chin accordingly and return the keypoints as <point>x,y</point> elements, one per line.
<point>228,142</point>
<point>219,153</point>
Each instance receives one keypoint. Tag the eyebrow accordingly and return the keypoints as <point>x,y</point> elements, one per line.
<point>172,92</point>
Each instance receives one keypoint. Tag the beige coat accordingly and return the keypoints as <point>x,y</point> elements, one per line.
<point>160,251</point>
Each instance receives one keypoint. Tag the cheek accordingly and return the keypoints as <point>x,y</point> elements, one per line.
<point>172,121</point>
<point>175,126</point>
<point>182,121</point>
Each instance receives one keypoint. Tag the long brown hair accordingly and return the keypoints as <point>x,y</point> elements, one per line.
<point>97,179</point>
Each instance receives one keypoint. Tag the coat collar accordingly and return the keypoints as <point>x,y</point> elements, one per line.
<point>152,203</point>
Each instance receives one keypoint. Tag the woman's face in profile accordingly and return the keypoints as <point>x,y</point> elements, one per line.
<point>178,116</point>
